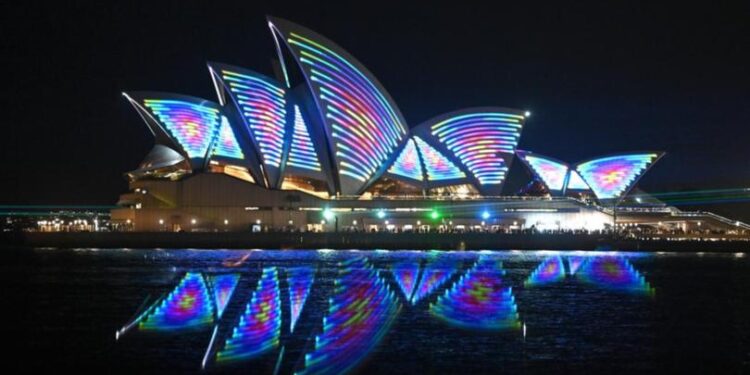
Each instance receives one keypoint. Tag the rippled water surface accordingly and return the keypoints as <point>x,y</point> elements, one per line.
<point>394,312</point>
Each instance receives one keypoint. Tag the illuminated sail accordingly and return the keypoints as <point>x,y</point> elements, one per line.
<point>189,305</point>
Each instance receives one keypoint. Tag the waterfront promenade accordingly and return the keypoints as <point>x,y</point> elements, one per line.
<point>365,241</point>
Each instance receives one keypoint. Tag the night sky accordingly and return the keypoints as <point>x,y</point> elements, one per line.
<point>598,79</point>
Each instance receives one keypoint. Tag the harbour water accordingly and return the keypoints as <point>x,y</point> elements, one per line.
<point>380,312</point>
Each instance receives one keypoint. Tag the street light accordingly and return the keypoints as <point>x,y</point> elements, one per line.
<point>485,215</point>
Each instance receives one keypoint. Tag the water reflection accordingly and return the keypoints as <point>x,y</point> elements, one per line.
<point>614,273</point>
<point>551,270</point>
<point>479,300</point>
<point>360,313</point>
<point>437,271</point>
<point>189,305</point>
<point>259,327</point>
<point>300,281</point>
<point>356,305</point>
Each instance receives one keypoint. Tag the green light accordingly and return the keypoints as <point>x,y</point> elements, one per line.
<point>434,214</point>
<point>381,214</point>
<point>327,214</point>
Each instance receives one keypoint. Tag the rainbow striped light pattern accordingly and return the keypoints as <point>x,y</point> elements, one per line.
<point>302,151</point>
<point>300,281</point>
<point>406,274</point>
<point>551,270</point>
<point>364,125</point>
<point>610,177</point>
<point>361,311</point>
<point>479,140</point>
<point>262,105</point>
<point>438,166</point>
<point>614,273</point>
<point>479,300</point>
<point>575,182</point>
<point>407,163</point>
<point>226,144</point>
<point>192,125</point>
<point>223,287</point>
<point>188,306</point>
<point>260,325</point>
<point>436,272</point>
<point>551,172</point>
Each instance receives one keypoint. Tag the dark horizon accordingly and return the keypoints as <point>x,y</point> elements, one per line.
<point>598,80</point>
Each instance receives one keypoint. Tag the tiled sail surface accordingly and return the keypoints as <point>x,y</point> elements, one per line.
<point>362,121</point>
<point>611,177</point>
<point>482,140</point>
<point>551,172</point>
<point>226,144</point>
<point>575,182</point>
<point>438,166</point>
<point>262,105</point>
<point>479,300</point>
<point>300,281</point>
<point>302,152</point>
<point>407,163</point>
<point>188,306</point>
<point>551,270</point>
<point>259,327</point>
<point>361,311</point>
<point>192,125</point>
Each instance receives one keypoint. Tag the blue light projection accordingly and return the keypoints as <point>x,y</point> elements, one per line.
<point>360,313</point>
<point>406,274</point>
<point>262,105</point>
<point>614,273</point>
<point>300,281</point>
<point>436,272</point>
<point>574,263</point>
<point>479,140</point>
<point>438,166</point>
<point>364,123</point>
<point>611,177</point>
<point>259,327</point>
<point>551,172</point>
<point>188,306</point>
<point>575,182</point>
<point>192,125</point>
<point>479,300</point>
<point>551,270</point>
<point>223,287</point>
<point>407,163</point>
<point>226,143</point>
<point>302,151</point>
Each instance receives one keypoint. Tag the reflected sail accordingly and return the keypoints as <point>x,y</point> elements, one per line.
<point>614,273</point>
<point>189,305</point>
<point>436,272</point>
<point>574,263</point>
<point>260,325</point>
<point>479,300</point>
<point>223,287</point>
<point>406,274</point>
<point>550,271</point>
<point>300,280</point>
<point>360,313</point>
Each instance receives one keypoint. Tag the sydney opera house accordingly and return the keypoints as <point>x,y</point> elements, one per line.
<point>321,146</point>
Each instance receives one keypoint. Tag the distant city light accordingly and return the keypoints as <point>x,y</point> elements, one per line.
<point>226,221</point>
<point>161,221</point>
<point>193,221</point>
<point>434,214</point>
<point>381,214</point>
<point>328,214</point>
<point>485,215</point>
<point>527,114</point>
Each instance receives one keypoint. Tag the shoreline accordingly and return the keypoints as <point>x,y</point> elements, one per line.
<point>362,241</point>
